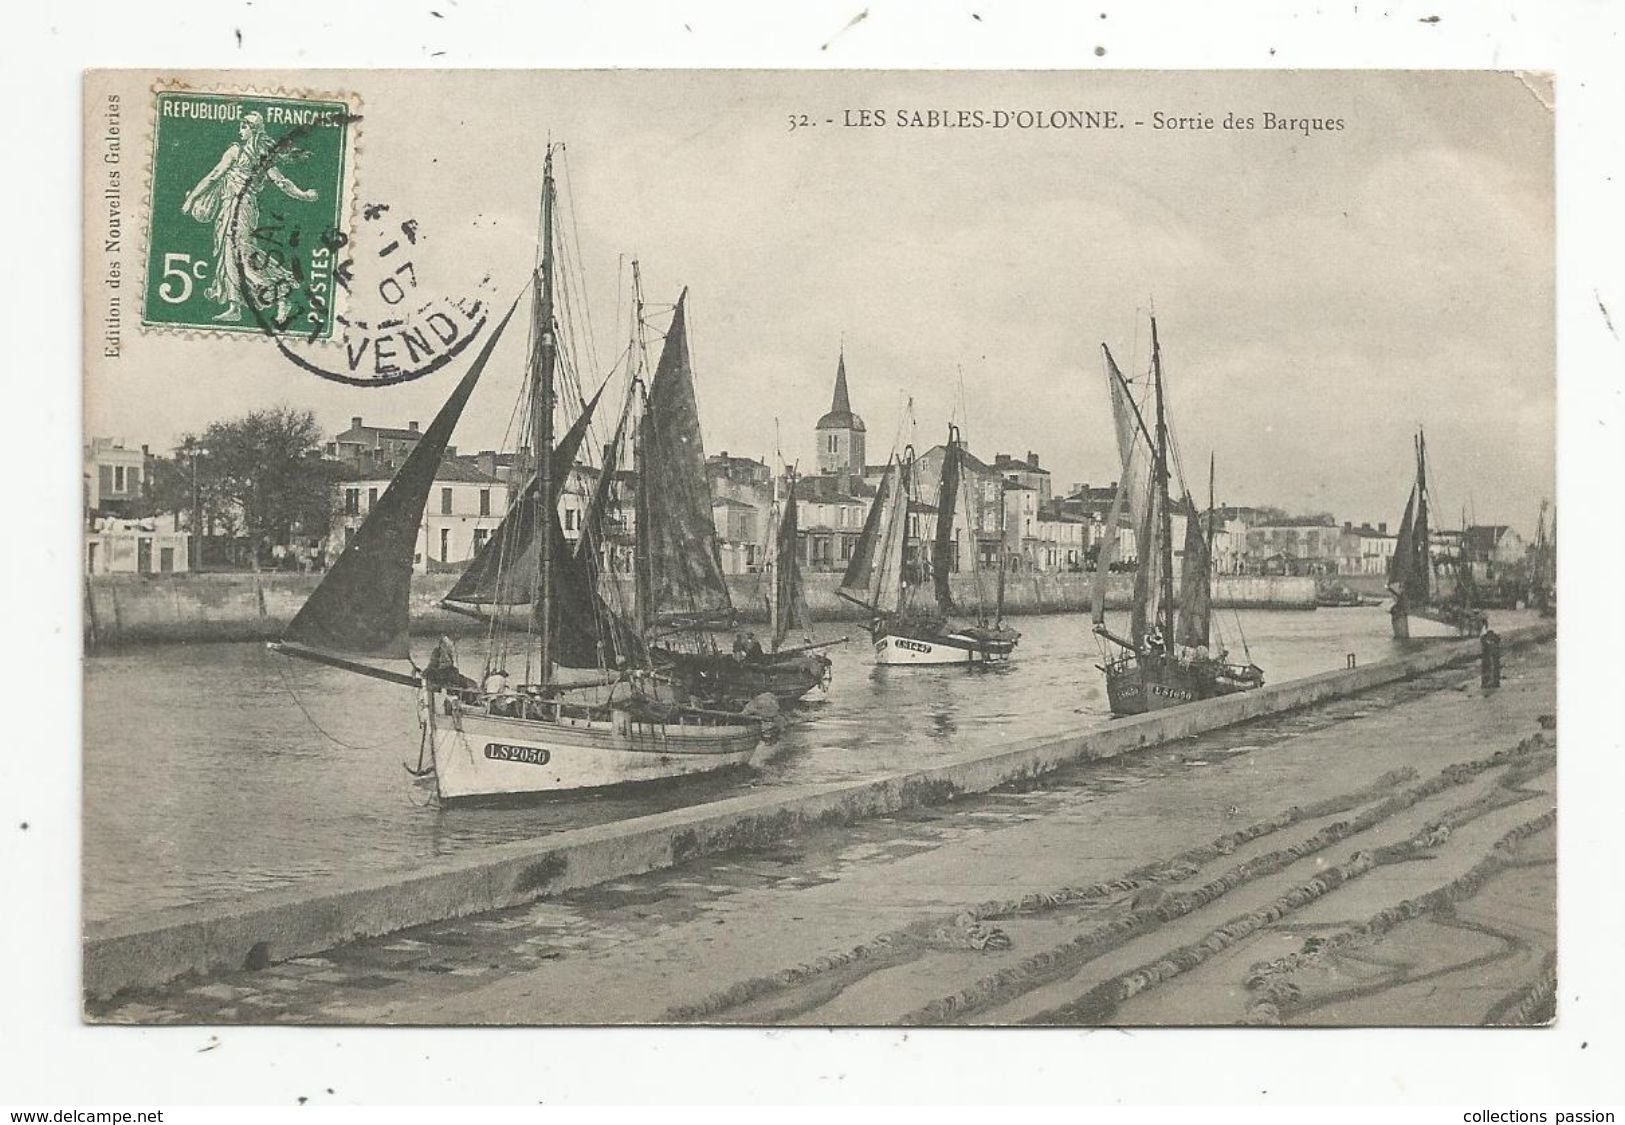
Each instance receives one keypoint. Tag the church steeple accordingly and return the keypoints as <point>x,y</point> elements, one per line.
<point>842,403</point>
<point>840,433</point>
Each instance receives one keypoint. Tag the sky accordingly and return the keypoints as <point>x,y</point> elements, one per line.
<point>1318,297</point>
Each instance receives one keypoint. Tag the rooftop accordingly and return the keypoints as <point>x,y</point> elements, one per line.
<point>358,430</point>
<point>1009,463</point>
<point>452,470</point>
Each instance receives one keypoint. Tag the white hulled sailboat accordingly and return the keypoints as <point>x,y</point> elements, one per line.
<point>877,577</point>
<point>494,737</point>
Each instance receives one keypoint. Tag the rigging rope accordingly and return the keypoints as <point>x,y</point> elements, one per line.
<point>287,685</point>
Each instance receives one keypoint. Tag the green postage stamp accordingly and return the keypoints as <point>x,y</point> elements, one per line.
<point>246,214</point>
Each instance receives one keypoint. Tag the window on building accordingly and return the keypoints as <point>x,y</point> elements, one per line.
<point>485,501</point>
<point>118,478</point>
<point>834,443</point>
<point>570,515</point>
<point>445,504</point>
<point>445,543</point>
<point>481,534</point>
<point>372,499</point>
<point>352,501</point>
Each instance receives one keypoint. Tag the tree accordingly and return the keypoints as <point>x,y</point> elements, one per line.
<point>263,475</point>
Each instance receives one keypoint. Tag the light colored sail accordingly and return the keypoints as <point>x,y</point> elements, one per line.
<point>1129,439</point>
<point>888,566</point>
<point>1107,555</point>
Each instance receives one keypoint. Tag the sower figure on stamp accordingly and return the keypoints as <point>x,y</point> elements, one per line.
<point>229,198</point>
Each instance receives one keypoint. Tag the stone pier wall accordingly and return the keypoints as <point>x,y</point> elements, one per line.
<point>132,609</point>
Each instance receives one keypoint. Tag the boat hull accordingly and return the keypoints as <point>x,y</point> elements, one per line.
<point>951,648</point>
<point>1136,685</point>
<point>1416,625</point>
<point>482,755</point>
<point>724,680</point>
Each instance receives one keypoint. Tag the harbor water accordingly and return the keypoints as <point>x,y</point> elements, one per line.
<point>226,769</point>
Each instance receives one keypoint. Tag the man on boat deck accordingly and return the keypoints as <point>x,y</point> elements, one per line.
<point>500,696</point>
<point>441,671</point>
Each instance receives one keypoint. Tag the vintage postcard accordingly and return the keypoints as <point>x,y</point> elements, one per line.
<point>836,548</point>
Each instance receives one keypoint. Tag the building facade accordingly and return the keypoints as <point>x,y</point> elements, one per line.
<point>152,545</point>
<point>465,506</point>
<point>1304,545</point>
<point>115,477</point>
<point>382,446</point>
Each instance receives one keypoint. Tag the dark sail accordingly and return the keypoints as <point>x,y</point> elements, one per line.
<point>586,633</point>
<point>504,569</point>
<point>614,640</point>
<point>858,582</point>
<point>1419,583</point>
<point>592,520</point>
<point>676,535</point>
<point>1195,584</point>
<point>1403,558</point>
<point>942,546</point>
<point>361,604</point>
<point>789,596</point>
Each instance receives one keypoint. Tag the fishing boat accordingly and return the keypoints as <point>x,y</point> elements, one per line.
<point>877,579</point>
<point>1432,596</point>
<point>530,734</point>
<point>1173,653</point>
<point>682,596</point>
<point>1337,595</point>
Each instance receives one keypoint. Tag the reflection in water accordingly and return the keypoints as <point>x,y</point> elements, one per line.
<point>216,770</point>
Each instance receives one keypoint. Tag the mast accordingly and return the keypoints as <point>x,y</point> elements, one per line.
<point>1537,567</point>
<point>542,421</point>
<point>1422,532</point>
<point>1164,522</point>
<point>642,585</point>
<point>772,561</point>
<point>998,599</point>
<point>1213,516</point>
<point>942,539</point>
<point>1211,460</point>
